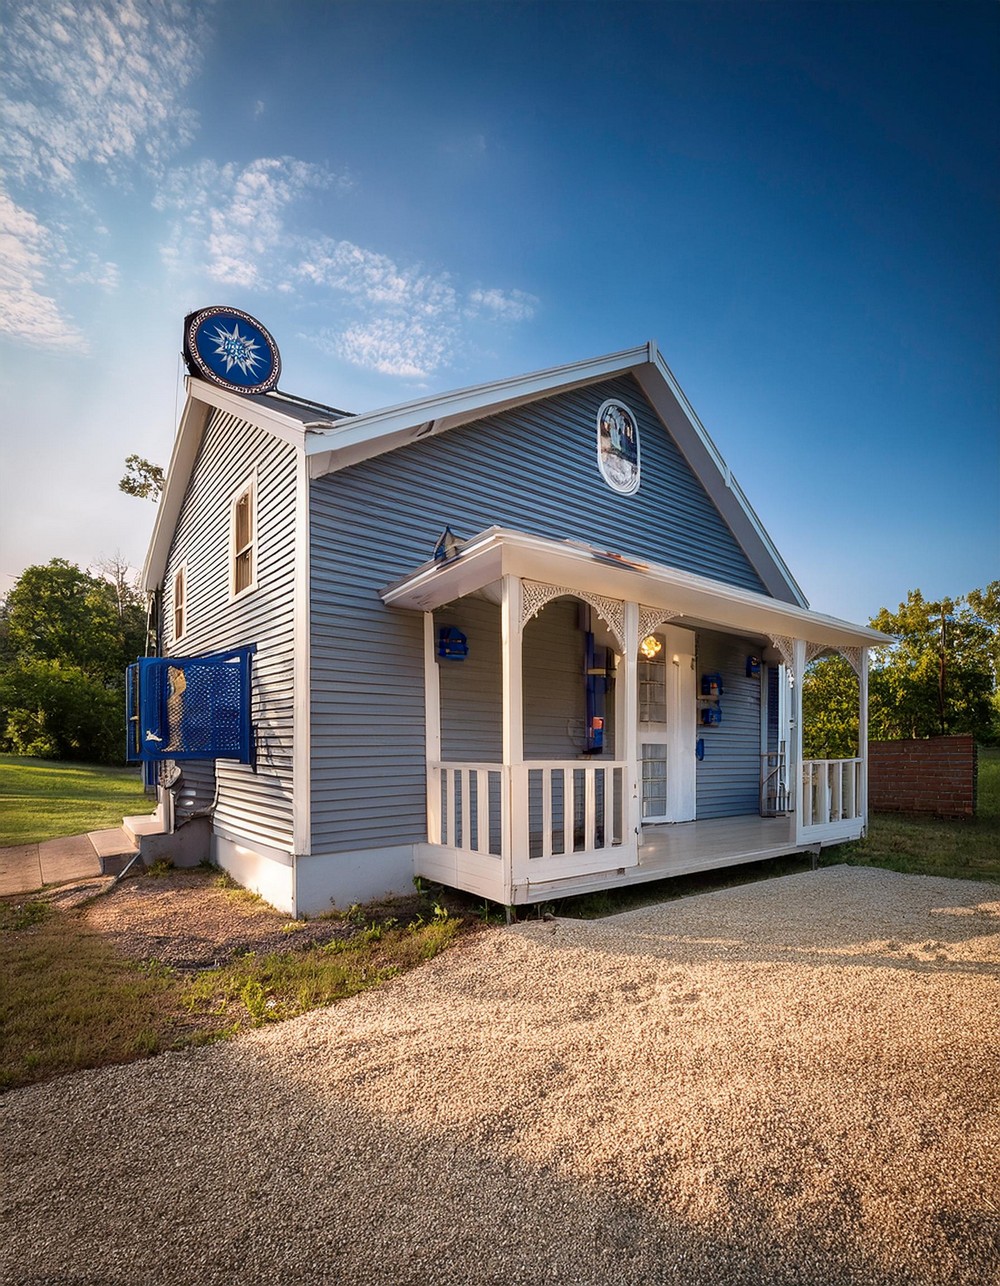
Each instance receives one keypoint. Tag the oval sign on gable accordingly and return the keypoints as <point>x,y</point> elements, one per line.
<point>231,349</point>
<point>618,447</point>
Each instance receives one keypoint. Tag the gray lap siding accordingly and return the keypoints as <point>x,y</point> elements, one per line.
<point>534,469</point>
<point>257,807</point>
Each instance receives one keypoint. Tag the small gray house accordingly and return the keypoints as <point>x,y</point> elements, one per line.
<point>527,639</point>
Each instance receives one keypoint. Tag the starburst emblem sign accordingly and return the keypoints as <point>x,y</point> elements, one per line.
<point>231,349</point>
<point>237,350</point>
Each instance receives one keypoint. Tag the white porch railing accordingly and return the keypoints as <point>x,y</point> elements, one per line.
<point>571,808</point>
<point>467,807</point>
<point>831,791</point>
<point>551,817</point>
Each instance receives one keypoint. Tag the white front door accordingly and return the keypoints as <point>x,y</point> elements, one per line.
<point>668,711</point>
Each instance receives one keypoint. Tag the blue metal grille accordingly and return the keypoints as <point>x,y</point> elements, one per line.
<point>190,707</point>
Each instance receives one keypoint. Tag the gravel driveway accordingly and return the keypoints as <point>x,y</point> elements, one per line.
<point>793,1081</point>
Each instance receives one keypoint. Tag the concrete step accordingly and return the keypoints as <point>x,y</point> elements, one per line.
<point>145,824</point>
<point>115,848</point>
<point>188,845</point>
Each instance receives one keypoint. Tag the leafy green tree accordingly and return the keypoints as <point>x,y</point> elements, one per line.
<point>939,677</point>
<point>56,711</point>
<point>56,612</point>
<point>142,479</point>
<point>65,639</point>
<point>831,710</point>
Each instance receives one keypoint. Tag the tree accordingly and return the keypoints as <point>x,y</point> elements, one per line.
<point>939,677</point>
<point>56,711</point>
<point>65,639</point>
<point>831,710</point>
<point>142,479</point>
<point>57,612</point>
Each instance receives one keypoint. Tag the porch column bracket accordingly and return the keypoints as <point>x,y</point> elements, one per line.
<point>786,646</point>
<point>535,595</point>
<point>813,650</point>
<point>651,617</point>
<point>855,657</point>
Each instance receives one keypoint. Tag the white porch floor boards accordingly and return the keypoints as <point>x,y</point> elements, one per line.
<point>683,848</point>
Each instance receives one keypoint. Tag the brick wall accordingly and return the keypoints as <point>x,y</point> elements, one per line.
<point>933,776</point>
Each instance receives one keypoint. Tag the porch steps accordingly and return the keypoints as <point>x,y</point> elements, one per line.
<point>115,848</point>
<point>188,845</point>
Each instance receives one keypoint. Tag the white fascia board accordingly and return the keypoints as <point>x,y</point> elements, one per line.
<point>285,427</point>
<point>717,478</point>
<point>190,431</point>
<point>697,599</point>
<point>363,436</point>
<point>202,398</point>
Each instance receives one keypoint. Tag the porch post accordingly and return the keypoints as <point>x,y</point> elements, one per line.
<point>863,733</point>
<point>515,830</point>
<point>432,730</point>
<point>632,803</point>
<point>798,674</point>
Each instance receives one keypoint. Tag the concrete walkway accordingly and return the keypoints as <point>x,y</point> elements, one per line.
<point>27,867</point>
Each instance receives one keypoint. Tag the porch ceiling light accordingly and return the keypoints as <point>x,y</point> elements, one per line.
<point>650,647</point>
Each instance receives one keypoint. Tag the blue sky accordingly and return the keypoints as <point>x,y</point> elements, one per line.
<point>798,202</point>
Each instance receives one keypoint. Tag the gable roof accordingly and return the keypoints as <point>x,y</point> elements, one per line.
<point>333,440</point>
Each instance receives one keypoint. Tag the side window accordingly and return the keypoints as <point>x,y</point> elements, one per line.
<point>180,602</point>
<point>243,539</point>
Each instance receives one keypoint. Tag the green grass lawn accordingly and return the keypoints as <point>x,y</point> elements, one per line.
<point>69,1000</point>
<point>41,799</point>
<point>965,850</point>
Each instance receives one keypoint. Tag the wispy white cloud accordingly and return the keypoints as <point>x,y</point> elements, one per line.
<point>506,305</point>
<point>92,87</point>
<point>409,348</point>
<point>231,219</point>
<point>97,82</point>
<point>26,311</point>
<point>237,225</point>
<point>376,278</point>
<point>409,324</point>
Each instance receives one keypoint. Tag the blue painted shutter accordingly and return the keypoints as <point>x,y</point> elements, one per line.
<point>190,707</point>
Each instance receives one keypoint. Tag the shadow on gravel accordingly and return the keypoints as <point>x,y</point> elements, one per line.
<point>225,1168</point>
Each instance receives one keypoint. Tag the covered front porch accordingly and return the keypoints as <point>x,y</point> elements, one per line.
<point>596,721</point>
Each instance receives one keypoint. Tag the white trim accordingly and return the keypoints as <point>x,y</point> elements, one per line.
<point>693,600</point>
<point>249,485</point>
<point>187,443</point>
<point>432,726</point>
<point>432,415</point>
<point>351,439</point>
<point>797,670</point>
<point>630,732</point>
<point>302,664</point>
<point>180,572</point>
<point>514,843</point>
<point>602,464</point>
<point>253,408</point>
<point>667,398</point>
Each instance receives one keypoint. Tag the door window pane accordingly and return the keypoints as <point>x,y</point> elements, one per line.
<point>654,780</point>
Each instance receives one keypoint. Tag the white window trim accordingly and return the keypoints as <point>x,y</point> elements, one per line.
<point>250,484</point>
<point>181,572</point>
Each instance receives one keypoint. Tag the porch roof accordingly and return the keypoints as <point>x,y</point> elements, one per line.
<point>695,600</point>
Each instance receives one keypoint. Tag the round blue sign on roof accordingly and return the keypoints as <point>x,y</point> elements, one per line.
<point>231,349</point>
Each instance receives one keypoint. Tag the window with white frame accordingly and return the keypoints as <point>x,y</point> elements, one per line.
<point>180,601</point>
<point>243,539</point>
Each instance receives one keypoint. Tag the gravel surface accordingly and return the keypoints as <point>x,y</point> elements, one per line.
<point>794,1081</point>
<point>186,919</point>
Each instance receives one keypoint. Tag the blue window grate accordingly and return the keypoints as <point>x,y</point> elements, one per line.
<point>190,707</point>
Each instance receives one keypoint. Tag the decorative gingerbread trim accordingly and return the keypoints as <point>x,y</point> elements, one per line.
<point>535,595</point>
